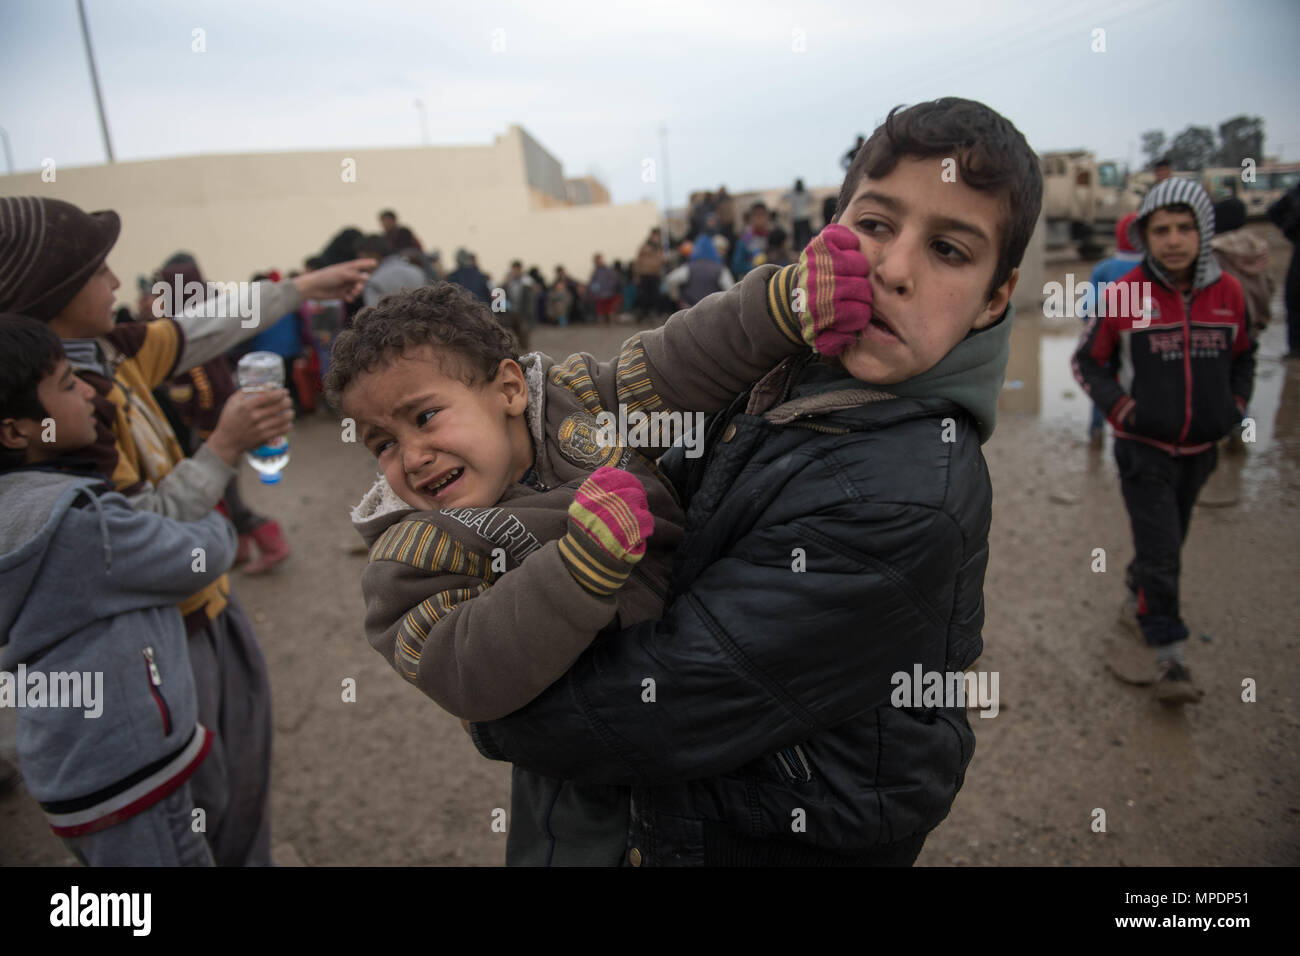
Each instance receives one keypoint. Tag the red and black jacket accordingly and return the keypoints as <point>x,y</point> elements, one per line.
<point>1185,372</point>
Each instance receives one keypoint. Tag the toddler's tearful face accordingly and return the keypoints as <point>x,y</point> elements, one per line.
<point>440,442</point>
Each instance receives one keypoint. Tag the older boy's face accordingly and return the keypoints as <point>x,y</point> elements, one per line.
<point>442,443</point>
<point>90,313</point>
<point>933,247</point>
<point>69,402</point>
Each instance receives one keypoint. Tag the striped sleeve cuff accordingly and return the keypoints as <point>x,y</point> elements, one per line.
<point>635,389</point>
<point>600,574</point>
<point>418,623</point>
<point>780,292</point>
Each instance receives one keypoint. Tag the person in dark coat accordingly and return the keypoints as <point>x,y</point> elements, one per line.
<point>468,276</point>
<point>835,547</point>
<point>1285,214</point>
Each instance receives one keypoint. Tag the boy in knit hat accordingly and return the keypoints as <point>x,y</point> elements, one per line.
<point>1175,374</point>
<point>510,528</point>
<point>111,770</point>
<point>53,267</point>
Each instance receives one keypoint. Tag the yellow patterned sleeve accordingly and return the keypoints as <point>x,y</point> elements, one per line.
<point>418,623</point>
<point>159,351</point>
<point>424,556</point>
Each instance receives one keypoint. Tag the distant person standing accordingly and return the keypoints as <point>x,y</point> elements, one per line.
<point>649,269</point>
<point>1285,214</point>
<point>752,242</point>
<point>801,204</point>
<point>700,215</point>
<point>604,289</point>
<point>539,295</point>
<point>1244,255</point>
<point>726,215</point>
<point>399,238</point>
<point>520,295</point>
<point>432,265</point>
<point>393,274</point>
<point>1163,169</point>
<point>779,252</point>
<point>560,298</point>
<point>468,276</point>
<point>704,275</point>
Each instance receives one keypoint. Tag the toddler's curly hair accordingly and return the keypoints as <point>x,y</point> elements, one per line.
<point>443,315</point>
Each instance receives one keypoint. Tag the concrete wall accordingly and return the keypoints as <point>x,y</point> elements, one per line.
<point>240,214</point>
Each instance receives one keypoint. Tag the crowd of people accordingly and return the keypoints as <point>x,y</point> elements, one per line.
<point>718,247</point>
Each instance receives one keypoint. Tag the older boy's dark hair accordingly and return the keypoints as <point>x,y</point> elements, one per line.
<point>992,157</point>
<point>31,349</point>
<point>442,315</point>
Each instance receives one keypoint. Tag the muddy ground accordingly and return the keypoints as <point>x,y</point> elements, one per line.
<point>390,779</point>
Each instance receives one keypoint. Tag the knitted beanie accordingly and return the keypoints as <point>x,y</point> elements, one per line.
<point>48,249</point>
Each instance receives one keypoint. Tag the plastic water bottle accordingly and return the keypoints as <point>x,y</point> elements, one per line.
<point>257,372</point>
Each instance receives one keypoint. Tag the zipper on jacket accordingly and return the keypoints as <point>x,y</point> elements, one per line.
<point>1186,302</point>
<point>794,764</point>
<point>814,426</point>
<point>155,681</point>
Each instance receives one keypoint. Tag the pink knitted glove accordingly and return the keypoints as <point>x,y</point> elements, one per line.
<point>609,522</point>
<point>828,294</point>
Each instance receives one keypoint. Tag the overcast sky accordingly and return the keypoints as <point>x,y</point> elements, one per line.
<point>752,94</point>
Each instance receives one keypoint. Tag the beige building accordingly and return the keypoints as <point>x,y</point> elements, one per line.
<point>241,214</point>
<point>586,191</point>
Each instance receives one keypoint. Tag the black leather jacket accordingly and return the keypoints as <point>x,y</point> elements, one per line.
<point>826,549</point>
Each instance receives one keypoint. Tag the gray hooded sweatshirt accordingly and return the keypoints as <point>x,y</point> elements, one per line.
<point>95,645</point>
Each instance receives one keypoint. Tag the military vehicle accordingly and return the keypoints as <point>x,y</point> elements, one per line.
<point>1083,199</point>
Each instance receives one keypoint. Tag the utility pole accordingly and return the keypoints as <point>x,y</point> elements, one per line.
<point>94,80</point>
<point>9,156</point>
<point>424,121</point>
<point>667,238</point>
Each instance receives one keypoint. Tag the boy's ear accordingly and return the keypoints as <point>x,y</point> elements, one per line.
<point>998,303</point>
<point>11,436</point>
<point>509,380</point>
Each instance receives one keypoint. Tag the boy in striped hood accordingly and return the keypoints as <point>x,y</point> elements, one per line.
<point>1186,367</point>
<point>511,526</point>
